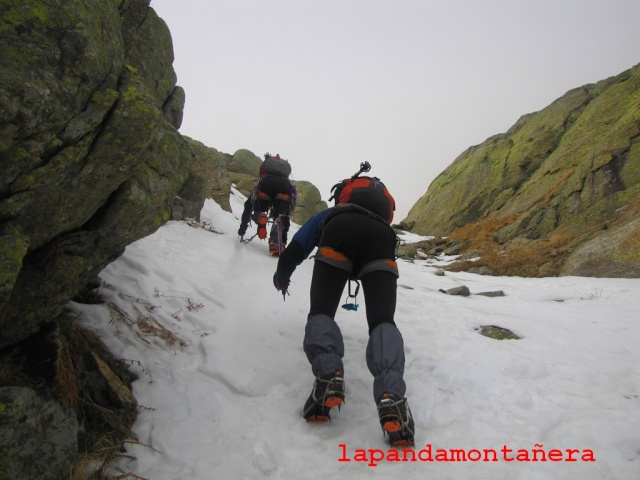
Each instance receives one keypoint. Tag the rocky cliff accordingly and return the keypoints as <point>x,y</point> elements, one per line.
<point>90,161</point>
<point>567,176</point>
<point>221,170</point>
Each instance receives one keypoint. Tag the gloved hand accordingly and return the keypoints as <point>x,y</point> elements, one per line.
<point>242,230</point>
<point>281,284</point>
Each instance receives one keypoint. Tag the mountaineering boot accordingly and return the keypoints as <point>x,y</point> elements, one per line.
<point>274,250</point>
<point>262,226</point>
<point>242,230</point>
<point>396,420</point>
<point>328,392</point>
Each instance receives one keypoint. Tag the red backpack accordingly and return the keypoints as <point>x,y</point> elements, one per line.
<point>366,192</point>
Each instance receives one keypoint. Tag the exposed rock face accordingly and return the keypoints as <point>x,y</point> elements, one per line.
<point>212,166</point>
<point>613,253</point>
<point>37,436</point>
<point>574,165</point>
<point>90,161</point>
<point>220,170</point>
<point>309,202</point>
<point>90,158</point>
<point>243,170</point>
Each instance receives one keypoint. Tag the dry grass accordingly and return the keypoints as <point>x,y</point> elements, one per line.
<point>66,379</point>
<point>145,326</point>
<point>524,258</point>
<point>87,378</point>
<point>192,222</point>
<point>107,422</point>
<point>481,233</point>
<point>78,384</point>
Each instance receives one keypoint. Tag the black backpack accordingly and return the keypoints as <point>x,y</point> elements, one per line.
<point>274,165</point>
<point>366,192</point>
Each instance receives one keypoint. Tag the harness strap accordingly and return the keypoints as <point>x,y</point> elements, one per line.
<point>334,258</point>
<point>386,265</point>
<point>353,207</point>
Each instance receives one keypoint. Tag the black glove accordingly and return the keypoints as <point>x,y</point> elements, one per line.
<point>281,284</point>
<point>242,230</point>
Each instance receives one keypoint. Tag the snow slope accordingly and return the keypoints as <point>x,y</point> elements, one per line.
<point>223,399</point>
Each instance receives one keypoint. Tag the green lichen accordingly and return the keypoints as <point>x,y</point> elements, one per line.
<point>13,248</point>
<point>630,171</point>
<point>498,333</point>
<point>131,94</point>
<point>19,154</point>
<point>29,12</point>
<point>105,97</point>
<point>133,70</point>
<point>140,106</point>
<point>550,161</point>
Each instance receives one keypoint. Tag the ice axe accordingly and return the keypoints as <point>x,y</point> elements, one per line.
<point>364,167</point>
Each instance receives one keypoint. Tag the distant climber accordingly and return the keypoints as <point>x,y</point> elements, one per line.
<point>274,196</point>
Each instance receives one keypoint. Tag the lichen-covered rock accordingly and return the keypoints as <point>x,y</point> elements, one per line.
<point>613,253</point>
<point>90,158</point>
<point>574,165</point>
<point>212,166</point>
<point>497,333</point>
<point>220,170</point>
<point>309,202</point>
<point>189,202</point>
<point>244,168</point>
<point>38,437</point>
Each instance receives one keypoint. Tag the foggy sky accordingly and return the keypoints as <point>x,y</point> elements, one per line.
<point>407,85</point>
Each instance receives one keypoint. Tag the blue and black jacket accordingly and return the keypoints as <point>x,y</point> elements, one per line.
<point>303,243</point>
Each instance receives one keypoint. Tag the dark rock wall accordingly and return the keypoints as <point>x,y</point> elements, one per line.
<point>90,156</point>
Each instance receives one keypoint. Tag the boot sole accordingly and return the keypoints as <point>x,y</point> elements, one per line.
<point>404,442</point>
<point>318,419</point>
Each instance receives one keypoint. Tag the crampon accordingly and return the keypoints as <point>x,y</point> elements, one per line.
<point>327,393</point>
<point>396,420</point>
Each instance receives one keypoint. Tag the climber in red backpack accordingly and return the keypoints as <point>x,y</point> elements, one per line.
<point>274,193</point>
<point>355,243</point>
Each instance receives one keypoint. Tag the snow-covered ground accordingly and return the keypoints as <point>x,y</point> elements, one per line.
<point>223,397</point>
